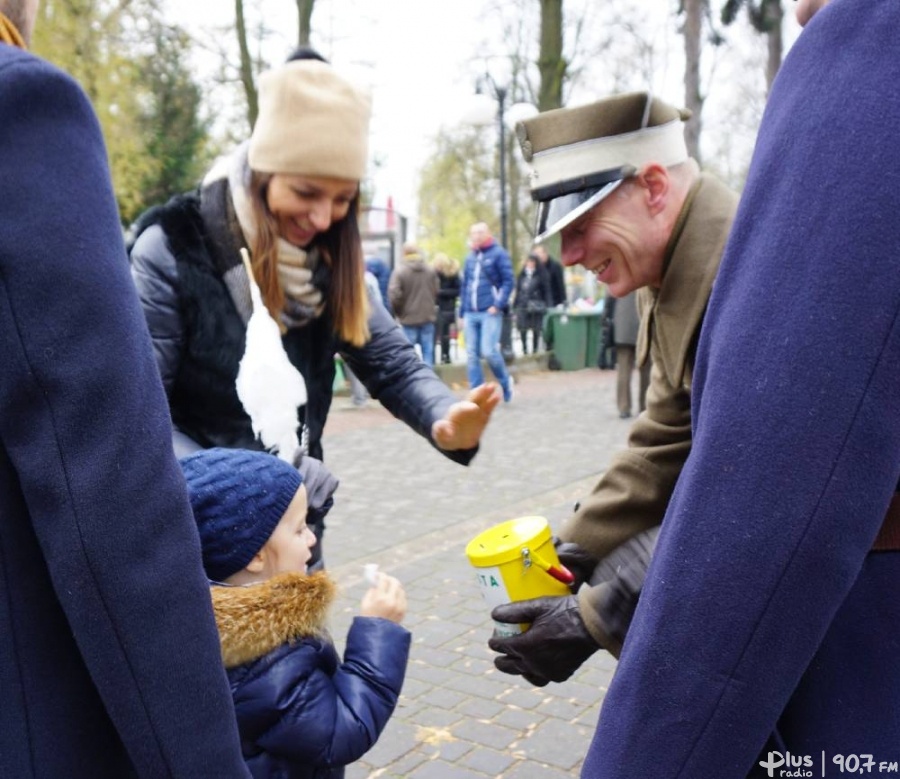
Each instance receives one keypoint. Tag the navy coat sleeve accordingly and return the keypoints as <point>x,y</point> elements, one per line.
<point>394,375</point>
<point>85,425</point>
<point>796,451</point>
<point>295,706</point>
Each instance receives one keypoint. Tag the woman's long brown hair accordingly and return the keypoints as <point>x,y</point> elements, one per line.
<point>340,247</point>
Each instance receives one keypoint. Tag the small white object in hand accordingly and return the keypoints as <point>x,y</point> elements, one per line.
<point>370,571</point>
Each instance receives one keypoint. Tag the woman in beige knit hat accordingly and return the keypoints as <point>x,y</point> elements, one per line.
<point>290,197</point>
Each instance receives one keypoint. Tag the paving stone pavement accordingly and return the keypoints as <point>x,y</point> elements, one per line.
<point>406,507</point>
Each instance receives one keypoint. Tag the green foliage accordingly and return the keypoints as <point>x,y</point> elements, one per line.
<point>133,68</point>
<point>172,130</point>
<point>457,188</point>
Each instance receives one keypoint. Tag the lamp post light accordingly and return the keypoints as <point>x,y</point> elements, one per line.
<point>500,94</point>
<point>483,110</point>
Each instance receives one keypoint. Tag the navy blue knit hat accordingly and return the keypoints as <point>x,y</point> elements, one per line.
<point>238,497</point>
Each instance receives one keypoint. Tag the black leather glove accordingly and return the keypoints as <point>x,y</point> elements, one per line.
<point>579,562</point>
<point>552,649</point>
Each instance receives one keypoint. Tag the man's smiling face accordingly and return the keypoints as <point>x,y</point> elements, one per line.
<point>619,240</point>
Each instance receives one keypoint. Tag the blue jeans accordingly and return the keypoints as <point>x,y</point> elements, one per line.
<point>483,340</point>
<point>424,336</point>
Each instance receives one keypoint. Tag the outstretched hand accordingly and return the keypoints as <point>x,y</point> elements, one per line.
<point>466,420</point>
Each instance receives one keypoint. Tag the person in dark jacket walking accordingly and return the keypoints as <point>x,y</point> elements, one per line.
<point>555,275</point>
<point>486,286</point>
<point>109,666</point>
<point>291,197</point>
<point>531,302</point>
<point>413,291</point>
<point>301,712</point>
<point>448,295</point>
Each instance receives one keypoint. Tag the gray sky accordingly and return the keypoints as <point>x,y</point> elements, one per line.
<point>412,54</point>
<point>417,57</point>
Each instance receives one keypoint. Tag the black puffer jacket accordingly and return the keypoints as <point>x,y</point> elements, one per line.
<point>193,289</point>
<point>448,293</point>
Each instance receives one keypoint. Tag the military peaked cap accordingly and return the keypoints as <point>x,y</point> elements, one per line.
<point>579,155</point>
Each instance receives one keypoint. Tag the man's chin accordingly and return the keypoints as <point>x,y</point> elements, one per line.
<point>806,10</point>
<point>620,289</point>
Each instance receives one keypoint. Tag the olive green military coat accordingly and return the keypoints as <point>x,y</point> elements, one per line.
<point>632,495</point>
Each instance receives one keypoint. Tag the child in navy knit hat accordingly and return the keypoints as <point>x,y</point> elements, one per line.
<point>301,712</point>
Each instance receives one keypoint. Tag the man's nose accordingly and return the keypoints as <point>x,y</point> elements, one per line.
<point>572,252</point>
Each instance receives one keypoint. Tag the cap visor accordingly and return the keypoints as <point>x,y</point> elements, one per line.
<point>553,215</point>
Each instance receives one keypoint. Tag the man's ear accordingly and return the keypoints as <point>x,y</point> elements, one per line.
<point>654,179</point>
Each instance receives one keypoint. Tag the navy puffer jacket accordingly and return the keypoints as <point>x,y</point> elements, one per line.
<point>487,280</point>
<point>302,713</point>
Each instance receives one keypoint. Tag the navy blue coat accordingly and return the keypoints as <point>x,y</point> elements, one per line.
<point>302,713</point>
<point>487,280</point>
<point>765,614</point>
<point>100,573</point>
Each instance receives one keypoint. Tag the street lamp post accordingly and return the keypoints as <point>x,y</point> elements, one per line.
<point>482,112</point>
<point>500,93</point>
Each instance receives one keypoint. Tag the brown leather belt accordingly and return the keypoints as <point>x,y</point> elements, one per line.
<point>888,538</point>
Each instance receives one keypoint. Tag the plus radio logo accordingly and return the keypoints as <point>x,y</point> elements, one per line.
<point>790,765</point>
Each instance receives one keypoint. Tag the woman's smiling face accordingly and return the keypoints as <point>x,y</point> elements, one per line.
<point>304,206</point>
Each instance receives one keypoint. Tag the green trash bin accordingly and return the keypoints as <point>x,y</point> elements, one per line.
<point>594,330</point>
<point>567,336</point>
<point>340,381</point>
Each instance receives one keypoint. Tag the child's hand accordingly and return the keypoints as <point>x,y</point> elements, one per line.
<point>386,599</point>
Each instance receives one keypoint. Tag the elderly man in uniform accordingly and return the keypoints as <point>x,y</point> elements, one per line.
<point>767,638</point>
<point>767,635</point>
<point>615,178</point>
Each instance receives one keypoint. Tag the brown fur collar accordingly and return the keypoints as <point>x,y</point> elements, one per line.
<point>258,618</point>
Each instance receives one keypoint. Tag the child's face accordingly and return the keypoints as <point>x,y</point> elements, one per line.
<point>288,548</point>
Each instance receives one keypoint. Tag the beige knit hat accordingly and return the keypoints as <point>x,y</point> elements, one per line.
<point>312,122</point>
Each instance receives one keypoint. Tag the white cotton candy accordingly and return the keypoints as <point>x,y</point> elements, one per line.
<point>270,388</point>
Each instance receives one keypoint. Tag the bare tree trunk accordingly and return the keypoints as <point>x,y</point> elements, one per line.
<point>246,64</point>
<point>551,64</point>
<point>304,12</point>
<point>775,41</point>
<point>693,100</point>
